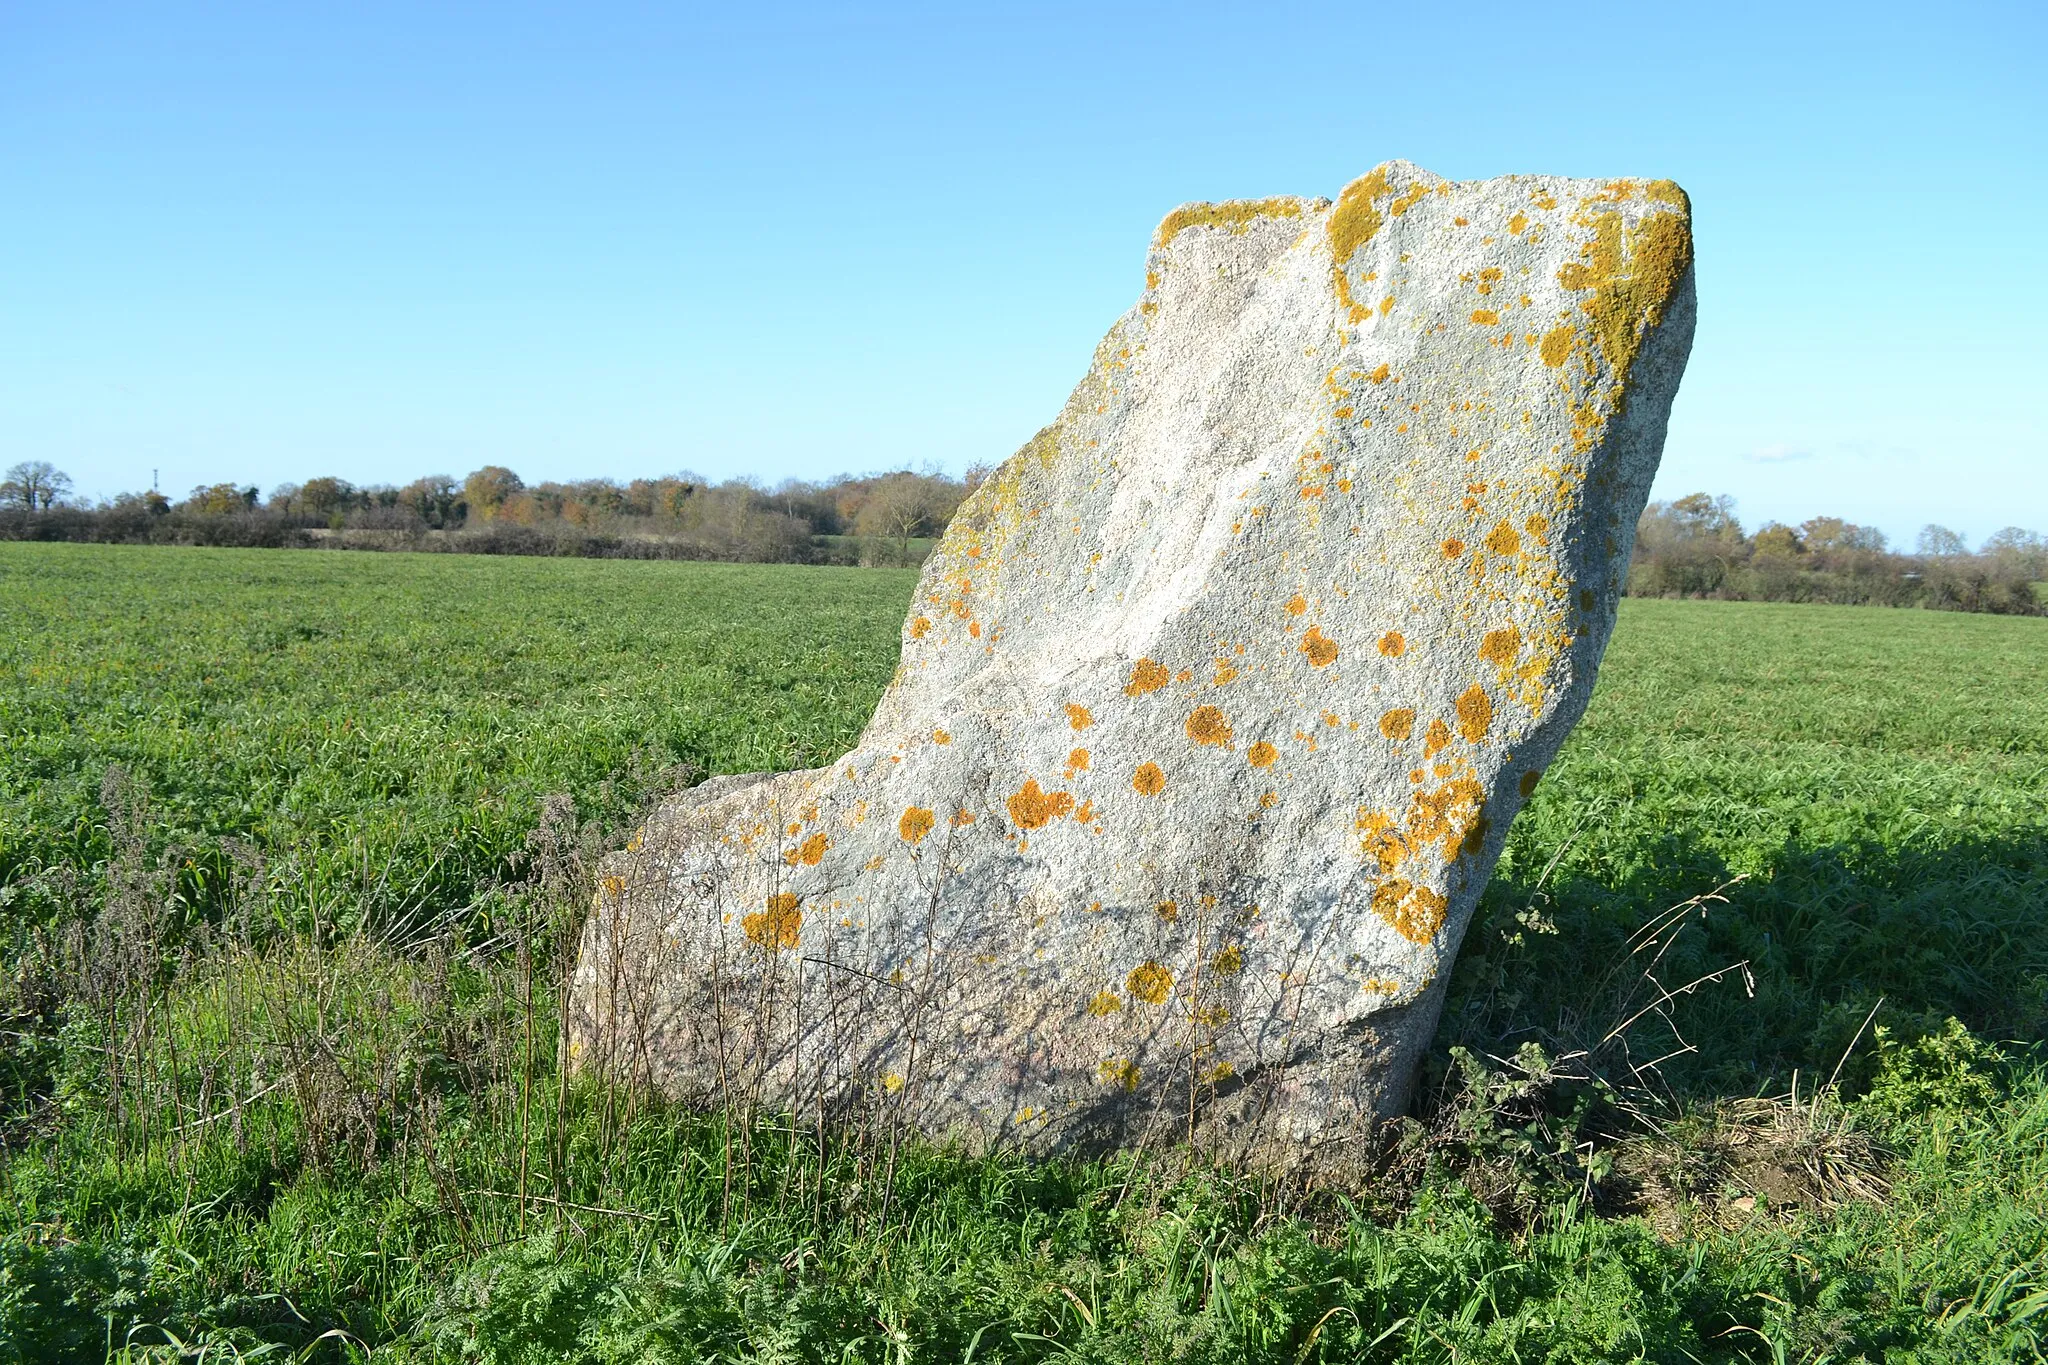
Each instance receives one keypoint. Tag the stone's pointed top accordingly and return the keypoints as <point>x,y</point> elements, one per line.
<point>1242,666</point>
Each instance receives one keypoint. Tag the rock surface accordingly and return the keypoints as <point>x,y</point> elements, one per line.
<point>1215,701</point>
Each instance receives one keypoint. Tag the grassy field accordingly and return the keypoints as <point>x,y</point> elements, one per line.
<point>269,1083</point>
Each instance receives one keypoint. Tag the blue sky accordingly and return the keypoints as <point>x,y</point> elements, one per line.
<point>259,243</point>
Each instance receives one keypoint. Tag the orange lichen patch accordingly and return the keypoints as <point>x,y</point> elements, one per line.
<point>613,887</point>
<point>1031,808</point>
<point>1398,724</point>
<point>1086,813</point>
<point>1499,647</point>
<point>1235,216</point>
<point>1119,1071</point>
<point>1261,755</point>
<point>974,629</point>
<point>1320,648</point>
<point>1488,278</point>
<point>1105,1004</point>
<point>1077,762</point>
<point>1296,605</point>
<point>779,925</point>
<point>1168,912</point>
<point>1528,783</point>
<point>1415,194</point>
<point>1452,548</point>
<point>1206,725</point>
<point>961,818</point>
<point>1435,739</point>
<point>1557,345</point>
<point>1226,671</point>
<point>1151,279</point>
<point>1268,800</point>
<point>1415,912</point>
<point>941,737</point>
<point>1517,223</point>
<point>1147,675</point>
<point>1380,840</point>
<point>915,824</point>
<point>1393,644</point>
<point>1331,718</point>
<point>1185,675</point>
<point>808,853</point>
<point>1354,221</point>
<point>1486,317</point>
<point>1475,713</point>
<point>919,626</point>
<point>1150,983</point>
<point>1538,527</point>
<point>1504,541</point>
<point>1386,305</point>
<point>1228,962</point>
<point>1148,780</point>
<point>1078,717</point>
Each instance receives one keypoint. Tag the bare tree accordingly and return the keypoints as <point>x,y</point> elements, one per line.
<point>899,508</point>
<point>1940,542</point>
<point>35,485</point>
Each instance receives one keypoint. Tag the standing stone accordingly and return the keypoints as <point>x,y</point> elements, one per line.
<point>1215,701</point>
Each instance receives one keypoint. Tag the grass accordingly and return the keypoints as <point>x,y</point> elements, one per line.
<point>294,1120</point>
<point>383,729</point>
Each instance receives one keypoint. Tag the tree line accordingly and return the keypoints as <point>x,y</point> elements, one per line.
<point>1694,547</point>
<point>887,518</point>
<point>1689,547</point>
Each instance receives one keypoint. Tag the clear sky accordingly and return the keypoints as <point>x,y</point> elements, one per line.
<point>264,242</point>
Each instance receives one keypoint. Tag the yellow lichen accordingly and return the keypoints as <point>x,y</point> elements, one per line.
<point>1354,221</point>
<point>1118,1071</point>
<point>1233,215</point>
<point>1261,755</point>
<point>1631,274</point>
<point>1104,1004</point>
<point>917,822</point>
<point>1148,780</point>
<point>1398,724</point>
<point>1320,648</point>
<point>1150,983</point>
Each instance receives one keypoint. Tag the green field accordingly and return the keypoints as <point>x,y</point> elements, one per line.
<point>278,1089</point>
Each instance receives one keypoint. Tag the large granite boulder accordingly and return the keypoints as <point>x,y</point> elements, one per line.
<point>1215,701</point>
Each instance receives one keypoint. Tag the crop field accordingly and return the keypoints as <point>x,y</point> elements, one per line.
<point>287,880</point>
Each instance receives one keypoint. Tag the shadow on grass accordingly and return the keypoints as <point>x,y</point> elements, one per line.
<point>1827,933</point>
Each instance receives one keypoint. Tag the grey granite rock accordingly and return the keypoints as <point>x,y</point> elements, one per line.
<point>1215,701</point>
